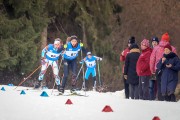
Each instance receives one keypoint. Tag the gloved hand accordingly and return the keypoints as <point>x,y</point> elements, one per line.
<point>81,44</point>
<point>81,62</point>
<point>65,46</point>
<point>99,59</point>
<point>125,77</point>
<point>43,61</point>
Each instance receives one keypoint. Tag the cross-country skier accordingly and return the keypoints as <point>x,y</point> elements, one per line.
<point>72,48</point>
<point>49,56</point>
<point>90,61</point>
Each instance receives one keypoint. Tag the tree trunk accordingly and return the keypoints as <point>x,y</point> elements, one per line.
<point>84,34</point>
<point>44,38</point>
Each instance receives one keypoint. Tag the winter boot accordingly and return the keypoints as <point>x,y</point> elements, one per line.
<point>38,84</point>
<point>172,98</point>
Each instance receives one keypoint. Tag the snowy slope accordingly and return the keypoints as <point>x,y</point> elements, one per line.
<point>32,106</point>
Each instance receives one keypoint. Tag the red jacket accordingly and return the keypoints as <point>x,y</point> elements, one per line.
<point>143,67</point>
<point>123,56</point>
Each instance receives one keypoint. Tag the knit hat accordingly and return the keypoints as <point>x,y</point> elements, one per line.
<point>131,40</point>
<point>145,42</point>
<point>168,46</point>
<point>165,37</point>
<point>155,39</point>
<point>134,45</point>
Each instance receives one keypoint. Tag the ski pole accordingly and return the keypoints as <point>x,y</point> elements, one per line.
<point>28,77</point>
<point>54,79</point>
<point>82,64</point>
<point>79,71</point>
<point>99,74</point>
<point>83,69</point>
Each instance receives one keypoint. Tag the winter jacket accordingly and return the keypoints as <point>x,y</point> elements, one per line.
<point>143,67</point>
<point>169,78</point>
<point>123,57</point>
<point>130,66</point>
<point>157,54</point>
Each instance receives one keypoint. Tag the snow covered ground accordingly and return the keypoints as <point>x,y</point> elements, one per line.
<point>32,106</point>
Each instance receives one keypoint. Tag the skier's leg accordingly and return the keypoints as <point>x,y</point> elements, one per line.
<point>87,73</point>
<point>55,72</point>
<point>94,79</point>
<point>74,69</point>
<point>63,84</point>
<point>41,74</point>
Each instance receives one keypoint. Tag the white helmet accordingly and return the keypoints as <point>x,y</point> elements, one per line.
<point>57,41</point>
<point>88,53</point>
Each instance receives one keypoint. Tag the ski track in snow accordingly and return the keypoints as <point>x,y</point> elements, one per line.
<point>32,106</point>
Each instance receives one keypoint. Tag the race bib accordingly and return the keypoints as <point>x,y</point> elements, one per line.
<point>71,53</point>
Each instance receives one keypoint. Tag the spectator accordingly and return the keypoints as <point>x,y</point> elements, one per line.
<point>123,58</point>
<point>169,66</point>
<point>143,70</point>
<point>156,55</point>
<point>130,73</point>
<point>153,81</point>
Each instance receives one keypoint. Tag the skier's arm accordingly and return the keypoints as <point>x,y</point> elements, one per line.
<point>82,61</point>
<point>62,50</point>
<point>98,58</point>
<point>84,50</point>
<point>43,53</point>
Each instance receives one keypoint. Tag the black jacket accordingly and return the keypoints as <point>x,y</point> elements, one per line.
<point>130,66</point>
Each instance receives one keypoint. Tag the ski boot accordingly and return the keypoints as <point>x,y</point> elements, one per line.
<point>60,89</point>
<point>85,85</point>
<point>38,84</point>
<point>94,89</point>
<point>73,90</point>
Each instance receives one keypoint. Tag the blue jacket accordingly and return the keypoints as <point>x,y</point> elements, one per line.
<point>91,62</point>
<point>71,52</point>
<point>51,53</point>
<point>169,78</point>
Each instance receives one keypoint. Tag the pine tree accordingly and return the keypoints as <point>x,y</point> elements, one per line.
<point>21,25</point>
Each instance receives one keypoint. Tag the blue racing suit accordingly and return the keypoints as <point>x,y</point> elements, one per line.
<point>51,56</point>
<point>70,55</point>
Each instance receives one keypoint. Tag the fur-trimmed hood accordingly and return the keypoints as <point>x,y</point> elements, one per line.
<point>134,50</point>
